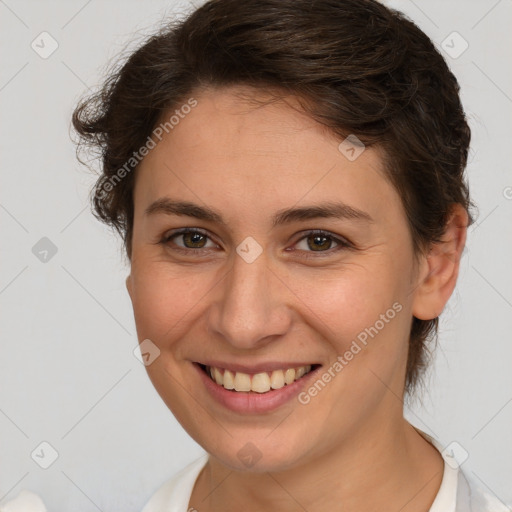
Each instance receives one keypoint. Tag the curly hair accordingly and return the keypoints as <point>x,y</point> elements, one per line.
<point>359,68</point>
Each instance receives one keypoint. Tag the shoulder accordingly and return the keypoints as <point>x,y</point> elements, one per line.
<point>472,497</point>
<point>25,501</point>
<point>174,495</point>
<point>459,492</point>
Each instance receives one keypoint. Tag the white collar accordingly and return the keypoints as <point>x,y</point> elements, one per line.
<point>446,497</point>
<point>174,496</point>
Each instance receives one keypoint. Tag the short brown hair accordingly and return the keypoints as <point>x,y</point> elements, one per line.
<point>360,67</point>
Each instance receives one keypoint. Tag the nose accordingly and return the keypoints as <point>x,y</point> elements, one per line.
<point>250,308</point>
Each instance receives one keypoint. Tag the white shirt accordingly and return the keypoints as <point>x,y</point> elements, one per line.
<point>456,494</point>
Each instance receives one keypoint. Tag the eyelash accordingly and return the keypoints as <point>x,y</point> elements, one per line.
<point>341,243</point>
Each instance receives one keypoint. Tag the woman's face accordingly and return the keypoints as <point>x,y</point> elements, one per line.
<point>251,290</point>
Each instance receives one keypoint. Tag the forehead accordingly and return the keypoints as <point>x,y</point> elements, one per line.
<point>253,121</point>
<point>240,144</point>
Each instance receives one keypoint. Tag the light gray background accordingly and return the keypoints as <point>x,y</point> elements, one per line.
<point>67,372</point>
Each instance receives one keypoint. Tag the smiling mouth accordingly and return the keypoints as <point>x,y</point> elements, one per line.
<point>259,382</point>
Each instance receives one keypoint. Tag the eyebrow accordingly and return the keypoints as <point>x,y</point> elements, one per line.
<point>327,210</point>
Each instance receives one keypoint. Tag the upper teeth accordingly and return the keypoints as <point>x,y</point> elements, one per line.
<point>260,382</point>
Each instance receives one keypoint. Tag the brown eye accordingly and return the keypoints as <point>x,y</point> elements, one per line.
<point>188,240</point>
<point>319,242</point>
<point>194,240</point>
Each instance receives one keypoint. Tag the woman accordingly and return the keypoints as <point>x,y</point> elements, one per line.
<point>288,179</point>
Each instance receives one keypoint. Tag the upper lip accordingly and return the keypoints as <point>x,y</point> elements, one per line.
<point>256,368</point>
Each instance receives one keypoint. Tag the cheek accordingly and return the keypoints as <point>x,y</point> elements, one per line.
<point>343,303</point>
<point>163,299</point>
<point>363,315</point>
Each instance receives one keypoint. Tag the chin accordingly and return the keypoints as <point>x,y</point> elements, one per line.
<point>255,454</point>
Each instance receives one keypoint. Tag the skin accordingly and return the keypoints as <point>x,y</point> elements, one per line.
<point>350,448</point>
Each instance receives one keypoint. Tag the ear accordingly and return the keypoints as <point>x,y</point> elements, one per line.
<point>439,269</point>
<point>128,284</point>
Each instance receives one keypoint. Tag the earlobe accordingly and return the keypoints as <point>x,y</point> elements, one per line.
<point>439,269</point>
<point>128,284</point>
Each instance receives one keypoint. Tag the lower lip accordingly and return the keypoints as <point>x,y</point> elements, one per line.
<point>253,402</point>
